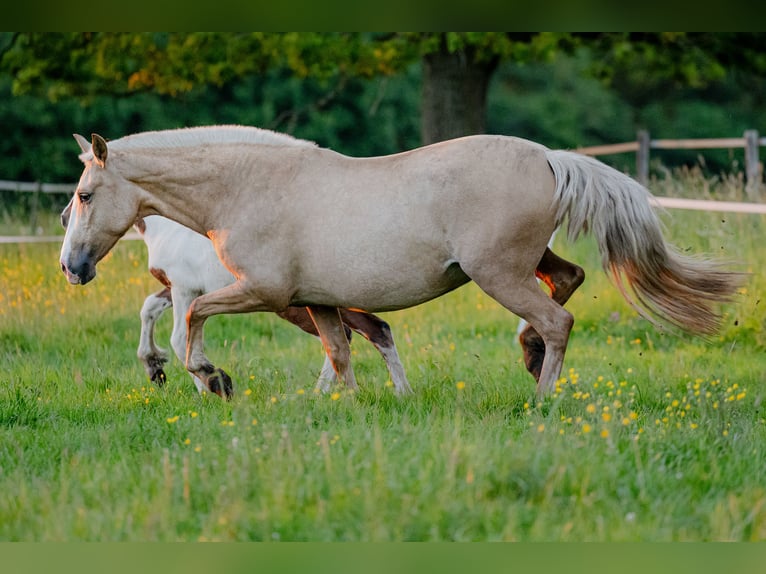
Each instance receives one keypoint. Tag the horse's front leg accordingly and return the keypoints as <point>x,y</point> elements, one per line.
<point>300,317</point>
<point>148,352</point>
<point>235,298</point>
<point>335,340</point>
<point>182,300</point>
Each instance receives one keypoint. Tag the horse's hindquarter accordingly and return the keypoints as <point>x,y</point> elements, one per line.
<point>391,232</point>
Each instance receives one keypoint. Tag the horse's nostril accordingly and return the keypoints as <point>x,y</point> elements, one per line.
<point>63,267</point>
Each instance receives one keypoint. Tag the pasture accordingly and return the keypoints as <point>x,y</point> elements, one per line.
<point>649,437</point>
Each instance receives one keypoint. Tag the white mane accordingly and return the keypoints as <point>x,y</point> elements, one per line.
<point>185,137</point>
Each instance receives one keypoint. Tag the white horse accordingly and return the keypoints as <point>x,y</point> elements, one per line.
<point>305,226</point>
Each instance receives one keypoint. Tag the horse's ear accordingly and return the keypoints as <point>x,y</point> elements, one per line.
<point>82,142</point>
<point>99,149</point>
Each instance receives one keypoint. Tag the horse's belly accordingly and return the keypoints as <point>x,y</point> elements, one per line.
<point>381,293</point>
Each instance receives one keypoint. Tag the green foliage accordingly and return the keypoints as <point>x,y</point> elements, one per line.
<point>657,60</point>
<point>86,64</point>
<point>537,102</point>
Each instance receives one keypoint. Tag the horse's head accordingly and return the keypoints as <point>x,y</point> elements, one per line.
<point>103,208</point>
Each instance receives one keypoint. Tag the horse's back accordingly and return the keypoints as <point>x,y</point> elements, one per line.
<point>476,187</point>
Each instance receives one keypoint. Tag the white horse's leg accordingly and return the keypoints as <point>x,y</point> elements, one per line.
<point>378,332</point>
<point>234,298</point>
<point>181,301</point>
<point>333,336</point>
<point>152,356</point>
<point>327,376</point>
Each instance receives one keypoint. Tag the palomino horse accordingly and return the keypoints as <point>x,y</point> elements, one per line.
<point>186,264</point>
<point>306,226</point>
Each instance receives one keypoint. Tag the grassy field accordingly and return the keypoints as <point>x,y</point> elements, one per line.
<point>650,437</point>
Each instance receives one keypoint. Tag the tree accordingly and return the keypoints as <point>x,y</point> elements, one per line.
<point>457,70</point>
<point>457,67</point>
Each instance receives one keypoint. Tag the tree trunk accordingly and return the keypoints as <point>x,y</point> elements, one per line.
<point>454,94</point>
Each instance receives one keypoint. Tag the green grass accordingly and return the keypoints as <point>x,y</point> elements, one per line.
<point>650,437</point>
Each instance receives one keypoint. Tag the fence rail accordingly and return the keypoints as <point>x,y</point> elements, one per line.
<point>36,187</point>
<point>750,142</point>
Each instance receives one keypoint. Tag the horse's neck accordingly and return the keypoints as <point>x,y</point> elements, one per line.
<point>181,185</point>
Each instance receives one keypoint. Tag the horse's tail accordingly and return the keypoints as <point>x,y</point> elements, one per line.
<point>619,212</point>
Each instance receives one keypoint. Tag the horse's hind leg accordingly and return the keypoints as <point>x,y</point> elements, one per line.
<point>522,323</point>
<point>563,278</point>
<point>332,332</point>
<point>524,297</point>
<point>378,332</point>
<point>148,352</point>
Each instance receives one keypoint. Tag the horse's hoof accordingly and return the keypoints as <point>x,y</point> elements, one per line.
<point>159,378</point>
<point>220,383</point>
<point>154,369</point>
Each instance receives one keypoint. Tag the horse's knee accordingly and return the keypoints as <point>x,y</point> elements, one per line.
<point>371,327</point>
<point>155,304</point>
<point>382,336</point>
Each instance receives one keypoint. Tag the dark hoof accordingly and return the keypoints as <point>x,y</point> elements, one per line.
<point>220,383</point>
<point>534,351</point>
<point>159,378</point>
<point>154,369</point>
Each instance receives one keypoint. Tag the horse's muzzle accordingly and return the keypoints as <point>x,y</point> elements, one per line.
<point>79,272</point>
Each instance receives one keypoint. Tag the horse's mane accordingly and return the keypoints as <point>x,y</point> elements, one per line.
<point>186,137</point>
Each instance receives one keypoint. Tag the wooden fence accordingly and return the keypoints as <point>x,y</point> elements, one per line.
<point>36,187</point>
<point>643,144</point>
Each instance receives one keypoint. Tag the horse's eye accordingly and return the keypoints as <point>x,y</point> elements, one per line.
<point>84,197</point>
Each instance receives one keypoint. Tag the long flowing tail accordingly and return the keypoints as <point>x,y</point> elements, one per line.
<point>617,210</point>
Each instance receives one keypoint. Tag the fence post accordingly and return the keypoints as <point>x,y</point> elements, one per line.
<point>752,165</point>
<point>642,157</point>
<point>34,207</point>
